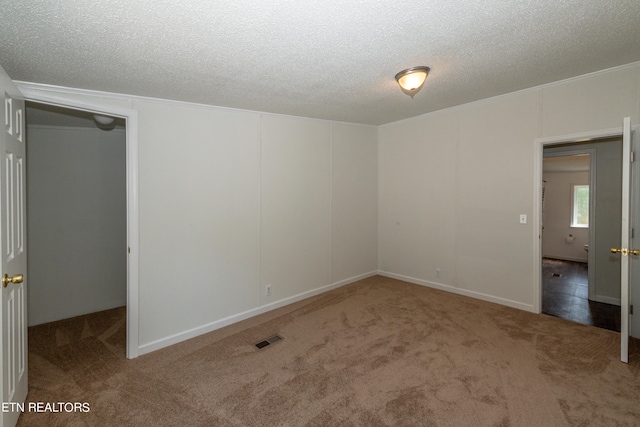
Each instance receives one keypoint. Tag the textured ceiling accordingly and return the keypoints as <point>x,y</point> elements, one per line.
<point>324,59</point>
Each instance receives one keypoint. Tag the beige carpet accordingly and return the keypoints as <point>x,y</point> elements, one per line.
<point>379,352</point>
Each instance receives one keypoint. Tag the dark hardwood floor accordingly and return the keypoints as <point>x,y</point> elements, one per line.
<point>565,294</point>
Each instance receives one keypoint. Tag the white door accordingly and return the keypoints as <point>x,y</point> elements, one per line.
<point>634,280</point>
<point>625,250</point>
<point>14,256</point>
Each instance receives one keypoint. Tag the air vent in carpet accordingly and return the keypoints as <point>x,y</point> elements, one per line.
<point>557,275</point>
<point>267,342</point>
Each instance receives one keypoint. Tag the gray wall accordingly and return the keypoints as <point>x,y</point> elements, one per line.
<point>449,186</point>
<point>453,183</point>
<point>76,221</point>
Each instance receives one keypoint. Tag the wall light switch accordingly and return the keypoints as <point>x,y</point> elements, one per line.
<point>523,218</point>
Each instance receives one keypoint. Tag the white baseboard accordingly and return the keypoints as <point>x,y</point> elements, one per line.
<point>465,292</point>
<point>209,327</point>
<point>565,258</point>
<point>607,300</point>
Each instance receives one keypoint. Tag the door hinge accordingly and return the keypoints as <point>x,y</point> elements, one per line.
<point>633,233</point>
<point>631,309</point>
<point>633,156</point>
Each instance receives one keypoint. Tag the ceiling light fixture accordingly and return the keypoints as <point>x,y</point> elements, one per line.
<point>103,120</point>
<point>412,79</point>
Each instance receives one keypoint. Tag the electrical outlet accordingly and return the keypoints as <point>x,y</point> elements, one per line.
<point>438,272</point>
<point>267,291</point>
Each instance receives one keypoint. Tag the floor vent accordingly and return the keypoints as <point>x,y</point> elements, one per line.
<point>556,275</point>
<point>267,342</point>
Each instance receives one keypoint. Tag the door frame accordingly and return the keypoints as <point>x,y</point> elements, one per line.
<point>54,96</point>
<point>538,157</point>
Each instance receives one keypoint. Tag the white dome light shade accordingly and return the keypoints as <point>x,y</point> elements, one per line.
<point>412,79</point>
<point>103,120</point>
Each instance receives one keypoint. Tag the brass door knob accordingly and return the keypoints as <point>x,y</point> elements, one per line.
<point>625,251</point>
<point>16,278</point>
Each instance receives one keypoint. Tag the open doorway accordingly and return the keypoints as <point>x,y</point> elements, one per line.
<point>72,100</point>
<point>77,222</point>
<point>580,223</point>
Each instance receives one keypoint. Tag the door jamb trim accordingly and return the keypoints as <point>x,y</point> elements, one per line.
<point>538,155</point>
<point>46,95</point>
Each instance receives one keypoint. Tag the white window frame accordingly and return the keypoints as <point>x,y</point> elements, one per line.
<point>574,211</point>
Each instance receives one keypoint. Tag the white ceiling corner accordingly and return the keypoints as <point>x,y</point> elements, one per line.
<point>331,60</point>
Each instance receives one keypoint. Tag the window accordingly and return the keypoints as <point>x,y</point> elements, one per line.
<point>580,206</point>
